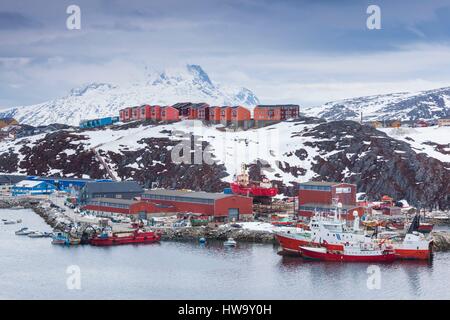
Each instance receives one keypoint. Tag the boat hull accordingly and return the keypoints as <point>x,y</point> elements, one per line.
<point>409,254</point>
<point>342,257</point>
<point>425,227</point>
<point>134,239</point>
<point>253,191</point>
<point>290,244</point>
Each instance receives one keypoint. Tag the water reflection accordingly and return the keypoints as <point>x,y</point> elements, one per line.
<point>191,270</point>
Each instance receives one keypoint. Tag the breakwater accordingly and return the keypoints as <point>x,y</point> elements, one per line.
<point>441,240</point>
<point>220,233</point>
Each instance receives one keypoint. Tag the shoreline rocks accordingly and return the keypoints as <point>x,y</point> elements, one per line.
<point>195,233</point>
<point>441,240</point>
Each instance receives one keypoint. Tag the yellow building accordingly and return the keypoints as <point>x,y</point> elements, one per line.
<point>6,122</point>
<point>376,124</point>
<point>395,124</point>
<point>444,122</point>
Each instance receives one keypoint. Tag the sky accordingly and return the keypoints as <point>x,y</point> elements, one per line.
<point>297,51</point>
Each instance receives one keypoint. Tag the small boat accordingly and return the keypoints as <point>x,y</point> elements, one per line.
<point>74,241</point>
<point>9,222</point>
<point>202,240</point>
<point>282,221</point>
<point>36,235</point>
<point>441,218</point>
<point>109,238</point>
<point>230,243</point>
<point>425,227</point>
<point>17,208</point>
<point>359,252</point>
<point>65,239</point>
<point>23,232</point>
<point>60,238</point>
<point>199,221</point>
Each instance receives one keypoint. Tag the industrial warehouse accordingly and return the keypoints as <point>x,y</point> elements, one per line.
<point>220,206</point>
<point>320,196</point>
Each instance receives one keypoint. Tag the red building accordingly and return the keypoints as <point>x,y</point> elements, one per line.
<point>145,112</point>
<point>421,123</point>
<point>184,109</point>
<point>136,208</point>
<point>203,111</point>
<point>225,115</point>
<point>135,113</point>
<point>240,113</point>
<point>169,113</point>
<point>240,117</point>
<point>155,113</point>
<point>220,206</point>
<point>267,114</point>
<point>125,114</point>
<point>214,114</point>
<point>319,196</point>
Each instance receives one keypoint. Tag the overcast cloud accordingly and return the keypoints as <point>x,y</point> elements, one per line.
<point>306,52</point>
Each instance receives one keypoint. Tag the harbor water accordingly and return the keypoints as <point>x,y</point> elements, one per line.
<point>35,269</point>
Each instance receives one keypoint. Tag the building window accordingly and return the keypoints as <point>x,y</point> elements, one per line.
<point>315,188</point>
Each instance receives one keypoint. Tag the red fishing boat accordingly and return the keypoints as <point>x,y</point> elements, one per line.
<point>425,227</point>
<point>331,234</point>
<point>357,252</point>
<point>109,238</point>
<point>243,186</point>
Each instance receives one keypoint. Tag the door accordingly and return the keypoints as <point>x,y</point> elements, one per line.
<point>233,214</point>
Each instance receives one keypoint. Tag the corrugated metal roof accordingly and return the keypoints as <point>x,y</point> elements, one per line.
<point>11,179</point>
<point>113,200</point>
<point>29,183</point>
<point>277,106</point>
<point>319,183</point>
<point>190,194</point>
<point>111,187</point>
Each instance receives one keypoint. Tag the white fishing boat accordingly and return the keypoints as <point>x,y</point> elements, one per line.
<point>24,232</point>
<point>230,243</point>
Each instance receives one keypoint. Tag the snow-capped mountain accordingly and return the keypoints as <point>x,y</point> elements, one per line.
<point>104,99</point>
<point>427,105</point>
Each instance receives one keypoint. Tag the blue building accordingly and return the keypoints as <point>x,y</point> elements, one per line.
<point>67,184</point>
<point>96,123</point>
<point>32,188</point>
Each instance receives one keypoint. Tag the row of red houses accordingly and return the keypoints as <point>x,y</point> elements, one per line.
<point>215,114</point>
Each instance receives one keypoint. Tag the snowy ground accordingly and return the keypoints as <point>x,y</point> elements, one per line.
<point>230,148</point>
<point>274,144</point>
<point>440,135</point>
<point>260,226</point>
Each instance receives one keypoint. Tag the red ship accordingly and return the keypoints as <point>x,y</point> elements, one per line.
<point>425,227</point>
<point>256,189</point>
<point>350,253</point>
<point>108,238</point>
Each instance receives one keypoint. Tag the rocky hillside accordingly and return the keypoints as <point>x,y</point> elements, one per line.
<point>302,150</point>
<point>429,105</point>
